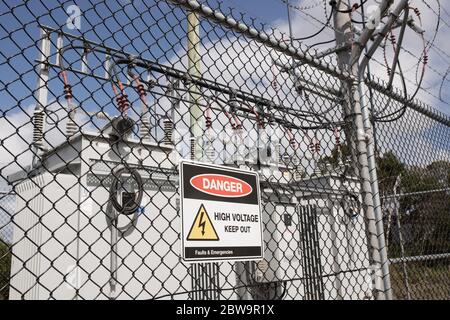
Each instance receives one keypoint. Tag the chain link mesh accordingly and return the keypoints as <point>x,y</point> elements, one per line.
<point>137,86</point>
<point>414,171</point>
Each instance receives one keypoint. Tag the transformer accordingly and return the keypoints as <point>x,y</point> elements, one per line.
<point>63,211</point>
<point>63,235</point>
<point>97,217</point>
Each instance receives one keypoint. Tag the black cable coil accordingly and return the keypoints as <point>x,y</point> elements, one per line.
<point>126,208</point>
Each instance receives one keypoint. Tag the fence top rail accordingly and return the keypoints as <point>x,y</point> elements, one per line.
<point>284,47</point>
<point>428,257</point>
<point>262,37</point>
<point>415,193</point>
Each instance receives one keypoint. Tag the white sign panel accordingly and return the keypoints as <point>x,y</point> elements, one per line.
<point>220,213</point>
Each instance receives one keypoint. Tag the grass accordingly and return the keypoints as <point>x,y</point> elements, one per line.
<point>427,280</point>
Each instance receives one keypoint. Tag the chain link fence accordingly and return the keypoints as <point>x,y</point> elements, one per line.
<point>414,172</point>
<point>101,100</point>
<point>7,210</point>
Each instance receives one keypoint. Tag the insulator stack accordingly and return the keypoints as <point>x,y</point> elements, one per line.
<point>224,150</point>
<point>38,130</point>
<point>71,126</point>
<point>293,143</point>
<point>208,122</point>
<point>338,142</point>
<point>192,148</point>
<point>298,174</point>
<point>168,131</point>
<point>275,84</point>
<point>314,146</point>
<point>68,92</point>
<point>123,103</point>
<point>393,39</point>
<point>141,90</point>
<point>317,170</point>
<point>209,151</point>
<point>278,152</point>
<point>144,128</point>
<point>298,89</point>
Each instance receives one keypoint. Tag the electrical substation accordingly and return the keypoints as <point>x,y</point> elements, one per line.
<point>187,150</point>
<point>103,207</point>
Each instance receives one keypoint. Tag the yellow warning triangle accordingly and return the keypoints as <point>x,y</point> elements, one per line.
<point>202,228</point>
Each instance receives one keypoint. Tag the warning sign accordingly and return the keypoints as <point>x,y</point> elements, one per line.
<point>202,228</point>
<point>220,213</point>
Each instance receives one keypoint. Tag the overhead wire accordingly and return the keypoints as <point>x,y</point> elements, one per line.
<point>397,47</point>
<point>412,82</point>
<point>325,25</point>
<point>353,8</point>
<point>319,31</point>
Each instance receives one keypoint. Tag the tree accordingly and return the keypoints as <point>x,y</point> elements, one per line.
<point>424,206</point>
<point>441,169</point>
<point>427,207</point>
<point>389,167</point>
<point>338,155</point>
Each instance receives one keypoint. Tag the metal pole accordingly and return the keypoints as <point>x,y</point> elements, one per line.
<point>41,95</point>
<point>430,257</point>
<point>288,7</point>
<point>343,34</point>
<point>196,129</point>
<point>193,52</point>
<point>400,236</point>
<point>360,149</point>
<point>370,188</point>
<point>370,148</point>
<point>373,179</point>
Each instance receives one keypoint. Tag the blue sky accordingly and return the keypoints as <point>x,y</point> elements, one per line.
<point>272,12</point>
<point>158,35</point>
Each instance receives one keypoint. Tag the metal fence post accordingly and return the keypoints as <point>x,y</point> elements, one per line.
<point>371,149</point>
<point>358,138</point>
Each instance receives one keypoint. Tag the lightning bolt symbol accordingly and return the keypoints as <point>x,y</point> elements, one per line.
<point>202,223</point>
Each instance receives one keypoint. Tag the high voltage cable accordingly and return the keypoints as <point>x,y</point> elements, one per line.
<point>430,43</point>
<point>411,82</point>
<point>326,24</point>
